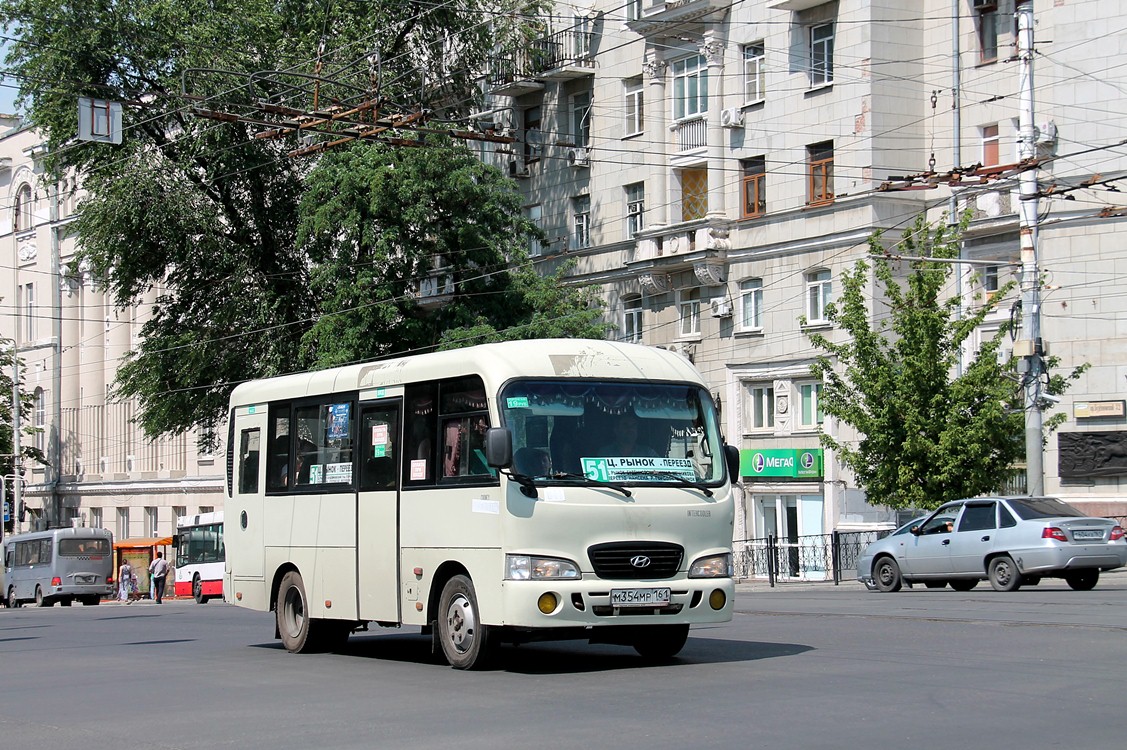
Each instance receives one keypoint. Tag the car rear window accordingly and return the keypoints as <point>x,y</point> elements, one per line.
<point>1029,508</point>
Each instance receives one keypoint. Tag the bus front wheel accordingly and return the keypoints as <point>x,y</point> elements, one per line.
<point>13,602</point>
<point>661,641</point>
<point>466,642</point>
<point>197,590</point>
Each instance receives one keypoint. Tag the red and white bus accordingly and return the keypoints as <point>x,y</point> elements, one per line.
<point>200,556</point>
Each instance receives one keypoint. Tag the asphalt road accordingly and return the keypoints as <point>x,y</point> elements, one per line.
<point>800,666</point>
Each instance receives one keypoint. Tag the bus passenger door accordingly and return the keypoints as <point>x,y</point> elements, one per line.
<point>244,520</point>
<point>377,528</point>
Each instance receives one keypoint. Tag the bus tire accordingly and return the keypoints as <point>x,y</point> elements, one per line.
<point>197,590</point>
<point>13,602</point>
<point>661,641</point>
<point>466,642</point>
<point>40,600</point>
<point>292,611</point>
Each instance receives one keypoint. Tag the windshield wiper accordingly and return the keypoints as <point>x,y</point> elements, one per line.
<point>678,479</point>
<point>588,481</point>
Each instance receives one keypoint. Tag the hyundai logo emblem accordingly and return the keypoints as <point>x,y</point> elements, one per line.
<point>640,561</point>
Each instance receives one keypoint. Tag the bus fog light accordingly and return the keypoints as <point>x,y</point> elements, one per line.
<point>717,599</point>
<point>547,603</point>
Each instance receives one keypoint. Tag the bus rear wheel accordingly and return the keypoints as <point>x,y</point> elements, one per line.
<point>40,600</point>
<point>466,642</point>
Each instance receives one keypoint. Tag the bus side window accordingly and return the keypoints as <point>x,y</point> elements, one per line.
<point>248,461</point>
<point>278,462</point>
<point>420,422</point>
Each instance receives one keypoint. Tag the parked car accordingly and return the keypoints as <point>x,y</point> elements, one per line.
<point>1010,541</point>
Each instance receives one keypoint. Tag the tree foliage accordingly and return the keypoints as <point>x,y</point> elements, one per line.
<point>28,451</point>
<point>207,216</point>
<point>927,434</point>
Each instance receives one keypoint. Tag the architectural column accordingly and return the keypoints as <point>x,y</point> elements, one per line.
<point>713,51</point>
<point>657,197</point>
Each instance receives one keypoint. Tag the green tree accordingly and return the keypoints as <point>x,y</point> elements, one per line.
<point>27,432</point>
<point>200,210</point>
<point>378,221</point>
<point>926,435</point>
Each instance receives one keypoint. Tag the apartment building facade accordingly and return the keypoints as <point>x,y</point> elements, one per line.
<point>713,167</point>
<point>102,472</point>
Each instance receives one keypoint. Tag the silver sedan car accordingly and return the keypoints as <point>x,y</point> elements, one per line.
<point>1010,541</point>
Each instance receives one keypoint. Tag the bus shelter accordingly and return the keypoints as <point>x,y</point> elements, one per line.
<point>140,552</point>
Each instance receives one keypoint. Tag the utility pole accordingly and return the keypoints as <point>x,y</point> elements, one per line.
<point>1029,347</point>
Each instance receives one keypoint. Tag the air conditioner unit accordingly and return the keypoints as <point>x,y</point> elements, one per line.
<point>733,117</point>
<point>517,168</point>
<point>578,157</point>
<point>721,308</point>
<point>1047,133</point>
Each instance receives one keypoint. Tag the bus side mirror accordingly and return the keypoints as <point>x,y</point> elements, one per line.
<point>732,459</point>
<point>175,541</point>
<point>498,447</point>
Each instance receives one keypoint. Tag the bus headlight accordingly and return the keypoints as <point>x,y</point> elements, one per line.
<point>713,566</point>
<point>529,568</point>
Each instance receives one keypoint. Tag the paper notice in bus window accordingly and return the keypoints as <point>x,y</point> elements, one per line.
<point>338,421</point>
<point>418,469</point>
<point>379,434</point>
<point>379,451</point>
<point>316,471</point>
<point>338,473</point>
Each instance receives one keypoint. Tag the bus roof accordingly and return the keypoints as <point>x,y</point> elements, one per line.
<point>496,363</point>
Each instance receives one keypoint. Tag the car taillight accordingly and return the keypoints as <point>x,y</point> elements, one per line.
<point>1116,533</point>
<point>56,581</point>
<point>1052,532</point>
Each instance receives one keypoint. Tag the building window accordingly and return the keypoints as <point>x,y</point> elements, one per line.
<point>755,72</point>
<point>818,294</point>
<point>821,54</point>
<point>122,531</point>
<point>810,396</point>
<point>690,87</point>
<point>635,107</point>
<point>178,512</point>
<point>694,194</point>
<point>96,518</point>
<point>633,10</point>
<point>21,209</point>
<point>581,119</point>
<point>29,327</point>
<point>821,173</point>
<point>761,406</point>
<point>535,214</point>
<point>632,320</point>
<point>152,516</point>
<point>754,186</point>
<point>533,138</point>
<point>751,304</point>
<point>689,306</point>
<point>40,418</point>
<point>581,222</point>
<point>991,280</point>
<point>990,156</point>
<point>986,26</point>
<point>635,207</point>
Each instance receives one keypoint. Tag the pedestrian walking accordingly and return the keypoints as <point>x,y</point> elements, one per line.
<point>158,572</point>
<point>125,582</point>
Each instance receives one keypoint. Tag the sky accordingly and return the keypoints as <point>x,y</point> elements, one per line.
<point>8,86</point>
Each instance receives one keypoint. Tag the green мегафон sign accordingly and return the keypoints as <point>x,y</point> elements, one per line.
<point>792,463</point>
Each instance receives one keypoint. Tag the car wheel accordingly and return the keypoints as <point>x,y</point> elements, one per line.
<point>1084,580</point>
<point>935,584</point>
<point>886,574</point>
<point>466,642</point>
<point>1004,575</point>
<point>964,584</point>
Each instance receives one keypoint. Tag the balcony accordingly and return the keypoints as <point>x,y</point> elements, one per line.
<point>564,55</point>
<point>669,18</point>
<point>690,134</point>
<point>700,245</point>
<point>513,74</point>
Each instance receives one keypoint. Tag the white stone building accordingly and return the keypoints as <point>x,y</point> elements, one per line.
<point>103,472</point>
<point>715,166</point>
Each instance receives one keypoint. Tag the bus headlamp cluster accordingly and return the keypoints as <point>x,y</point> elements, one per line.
<point>713,566</point>
<point>529,568</point>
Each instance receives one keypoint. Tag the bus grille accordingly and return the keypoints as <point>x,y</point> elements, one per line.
<point>613,561</point>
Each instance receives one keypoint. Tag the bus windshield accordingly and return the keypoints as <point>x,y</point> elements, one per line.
<point>621,432</point>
